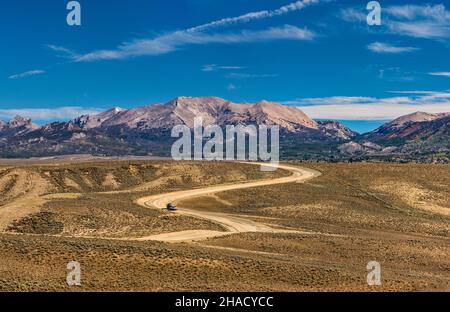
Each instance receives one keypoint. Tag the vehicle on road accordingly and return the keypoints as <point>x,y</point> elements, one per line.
<point>171,207</point>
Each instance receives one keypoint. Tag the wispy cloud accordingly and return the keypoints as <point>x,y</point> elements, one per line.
<point>353,15</point>
<point>234,75</point>
<point>369,108</point>
<point>380,47</point>
<point>350,100</point>
<point>231,87</point>
<point>231,67</point>
<point>199,35</point>
<point>392,73</point>
<point>209,68</point>
<point>414,92</point>
<point>47,114</point>
<point>215,67</point>
<point>419,21</point>
<point>294,6</point>
<point>65,52</point>
<point>443,74</point>
<point>250,76</point>
<point>27,74</point>
<point>174,41</point>
<point>411,12</point>
<point>421,29</point>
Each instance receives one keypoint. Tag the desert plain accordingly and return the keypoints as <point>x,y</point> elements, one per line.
<point>304,227</point>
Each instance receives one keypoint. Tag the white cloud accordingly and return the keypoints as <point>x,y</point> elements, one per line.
<point>45,114</point>
<point>209,68</point>
<point>375,112</point>
<point>418,21</point>
<point>65,51</point>
<point>411,12</point>
<point>174,41</point>
<point>421,29</point>
<point>231,67</point>
<point>352,100</point>
<point>369,108</point>
<point>249,76</point>
<point>231,87</point>
<point>329,100</point>
<point>380,47</point>
<point>443,74</point>
<point>233,75</point>
<point>214,67</point>
<point>353,15</point>
<point>413,92</point>
<point>295,6</point>
<point>196,35</point>
<point>27,74</point>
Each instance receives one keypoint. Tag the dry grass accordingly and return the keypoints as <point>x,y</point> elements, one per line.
<point>349,197</point>
<point>69,191</point>
<point>394,214</point>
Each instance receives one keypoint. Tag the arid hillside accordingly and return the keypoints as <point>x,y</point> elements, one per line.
<point>97,198</point>
<point>311,235</point>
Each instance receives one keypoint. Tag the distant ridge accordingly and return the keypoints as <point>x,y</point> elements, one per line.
<point>146,131</point>
<point>183,110</point>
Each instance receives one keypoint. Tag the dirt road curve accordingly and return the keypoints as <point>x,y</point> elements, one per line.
<point>233,223</point>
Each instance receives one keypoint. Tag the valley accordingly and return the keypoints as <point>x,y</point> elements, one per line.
<point>237,228</point>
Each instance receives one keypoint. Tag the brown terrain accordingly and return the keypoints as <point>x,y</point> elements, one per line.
<point>304,227</point>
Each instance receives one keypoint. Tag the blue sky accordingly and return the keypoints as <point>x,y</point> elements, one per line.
<point>318,55</point>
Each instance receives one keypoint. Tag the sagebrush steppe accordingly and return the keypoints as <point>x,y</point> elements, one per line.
<point>350,215</point>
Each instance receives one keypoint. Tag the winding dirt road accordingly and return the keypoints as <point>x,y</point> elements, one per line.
<point>233,223</point>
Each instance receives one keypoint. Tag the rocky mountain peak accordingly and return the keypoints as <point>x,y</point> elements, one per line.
<point>22,123</point>
<point>337,129</point>
<point>94,121</point>
<point>286,116</point>
<point>115,110</point>
<point>147,128</point>
<point>183,101</point>
<point>19,121</point>
<point>415,117</point>
<point>17,126</point>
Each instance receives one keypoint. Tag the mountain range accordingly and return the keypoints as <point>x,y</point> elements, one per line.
<point>146,131</point>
